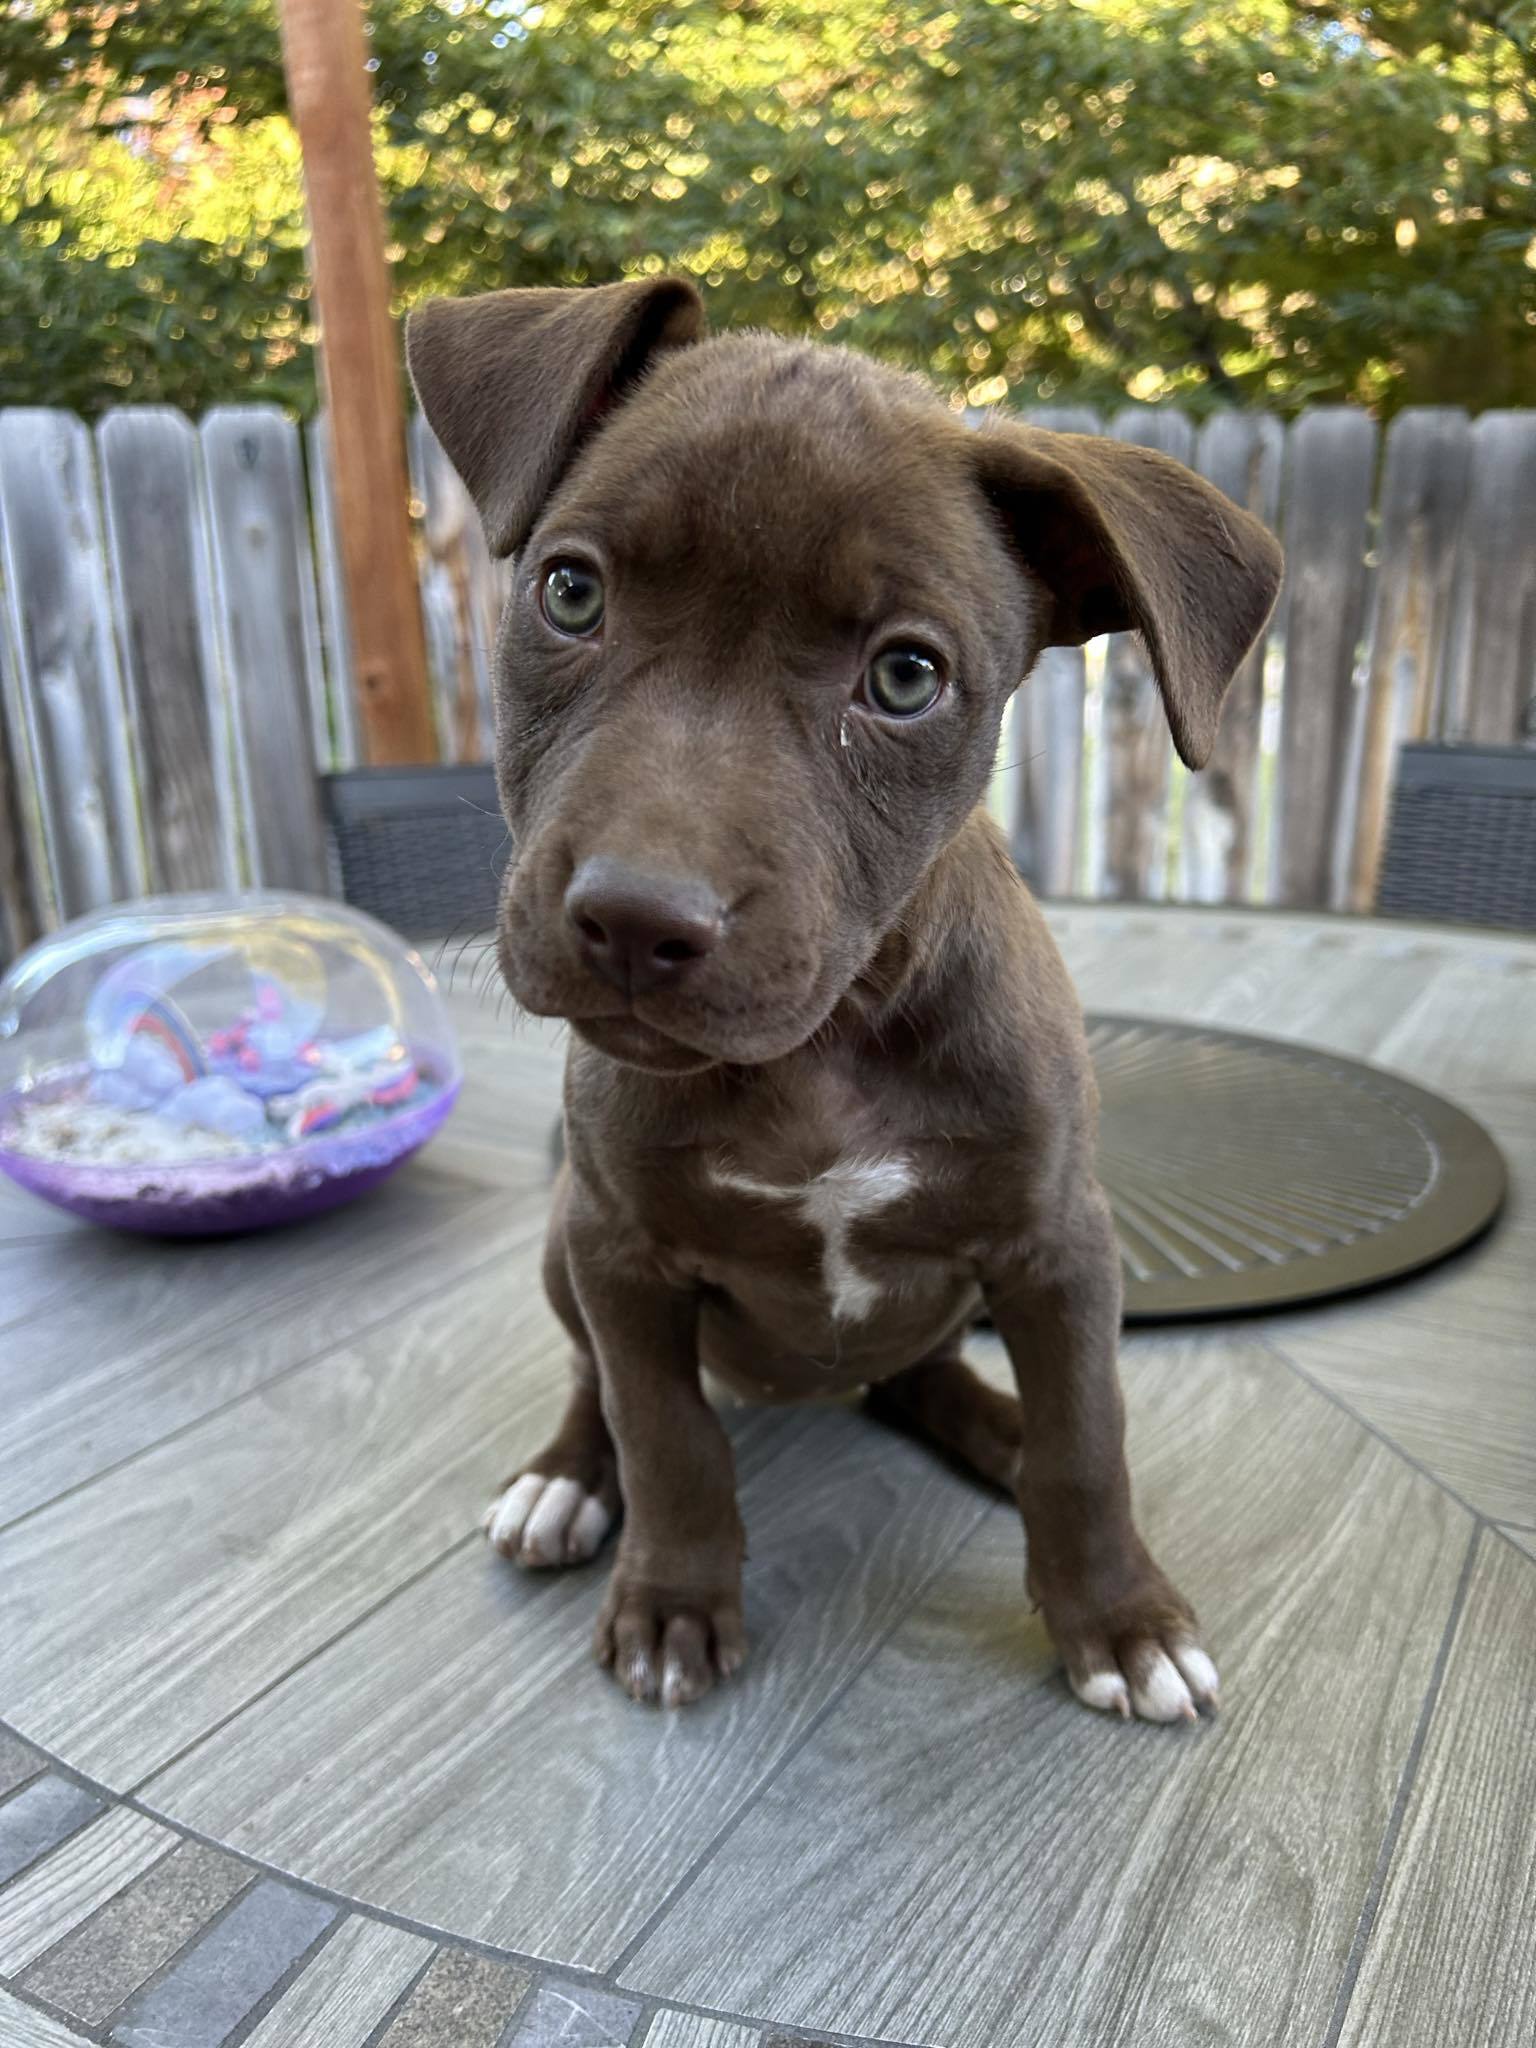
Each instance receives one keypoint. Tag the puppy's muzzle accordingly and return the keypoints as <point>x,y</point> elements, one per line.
<point>641,932</point>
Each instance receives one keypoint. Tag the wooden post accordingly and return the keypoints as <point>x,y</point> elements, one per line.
<point>1330,480</point>
<point>325,55</point>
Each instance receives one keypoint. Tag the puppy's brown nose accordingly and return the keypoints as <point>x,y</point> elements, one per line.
<point>641,932</point>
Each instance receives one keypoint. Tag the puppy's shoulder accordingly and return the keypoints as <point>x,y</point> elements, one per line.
<point>983,901</point>
<point>1009,1009</point>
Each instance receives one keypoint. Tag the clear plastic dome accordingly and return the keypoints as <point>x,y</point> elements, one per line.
<point>192,1064</point>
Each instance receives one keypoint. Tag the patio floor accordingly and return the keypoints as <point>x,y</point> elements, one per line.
<point>291,1757</point>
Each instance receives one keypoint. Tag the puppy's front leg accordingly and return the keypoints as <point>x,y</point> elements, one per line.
<point>1127,1637</point>
<point>671,1622</point>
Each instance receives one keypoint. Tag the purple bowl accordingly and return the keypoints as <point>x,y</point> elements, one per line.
<point>213,1197</point>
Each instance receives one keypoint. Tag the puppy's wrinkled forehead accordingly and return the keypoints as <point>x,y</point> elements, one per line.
<point>784,473</point>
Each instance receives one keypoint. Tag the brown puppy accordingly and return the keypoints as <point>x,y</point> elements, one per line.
<point>828,1088</point>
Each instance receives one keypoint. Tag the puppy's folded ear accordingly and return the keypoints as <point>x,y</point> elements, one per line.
<point>1128,540</point>
<point>513,382</point>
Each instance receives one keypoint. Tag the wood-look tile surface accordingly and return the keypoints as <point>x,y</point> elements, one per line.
<point>240,1547</point>
<point>1270,977</point>
<point>1452,1955</point>
<point>1463,1406</point>
<point>25,1220</point>
<point>23,2026</point>
<point>348,1989</point>
<point>1001,1870</point>
<point>691,2030</point>
<point>461,1758</point>
<point>134,1338</point>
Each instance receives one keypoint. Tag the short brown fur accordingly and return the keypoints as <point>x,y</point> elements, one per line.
<point>858,983</point>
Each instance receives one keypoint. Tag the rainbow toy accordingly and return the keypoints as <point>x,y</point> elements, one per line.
<point>162,1021</point>
<point>132,999</point>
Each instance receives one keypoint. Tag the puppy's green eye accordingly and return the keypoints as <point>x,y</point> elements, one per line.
<point>903,682</point>
<point>572,597</point>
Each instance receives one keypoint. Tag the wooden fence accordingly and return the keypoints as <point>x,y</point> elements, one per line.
<point>173,657</point>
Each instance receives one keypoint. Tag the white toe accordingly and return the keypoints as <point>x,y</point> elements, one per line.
<point>506,1517</point>
<point>555,1509</point>
<point>542,1521</point>
<point>1158,1693</point>
<point>1198,1673</point>
<point>1105,1691</point>
<point>585,1536</point>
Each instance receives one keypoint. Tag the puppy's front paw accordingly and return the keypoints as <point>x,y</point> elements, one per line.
<point>1143,1656</point>
<point>540,1521</point>
<point>668,1647</point>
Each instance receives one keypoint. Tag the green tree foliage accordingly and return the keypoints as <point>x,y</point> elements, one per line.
<point>1270,201</point>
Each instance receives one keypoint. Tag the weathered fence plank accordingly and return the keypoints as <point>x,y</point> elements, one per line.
<point>1490,698</point>
<point>21,917</point>
<point>1419,516</point>
<point>1242,454</point>
<point>1330,470</point>
<point>1042,796</point>
<point>67,680</point>
<point>336,737</point>
<point>265,618</point>
<point>461,598</point>
<point>157,539</point>
<point>1135,751</point>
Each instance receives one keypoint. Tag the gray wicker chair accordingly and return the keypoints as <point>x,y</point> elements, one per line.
<point>1461,843</point>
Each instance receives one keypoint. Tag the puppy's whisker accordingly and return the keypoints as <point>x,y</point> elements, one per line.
<point>440,951</point>
<point>1021,761</point>
<point>470,941</point>
<point>471,935</point>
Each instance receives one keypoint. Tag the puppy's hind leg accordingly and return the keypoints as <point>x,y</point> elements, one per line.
<point>945,1403</point>
<point>561,1506</point>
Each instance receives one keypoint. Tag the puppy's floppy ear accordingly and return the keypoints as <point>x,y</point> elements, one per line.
<point>1126,539</point>
<point>513,382</point>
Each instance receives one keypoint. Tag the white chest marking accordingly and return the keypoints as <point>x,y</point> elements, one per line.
<point>832,1203</point>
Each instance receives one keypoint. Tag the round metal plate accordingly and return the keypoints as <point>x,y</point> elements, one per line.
<point>1245,1173</point>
